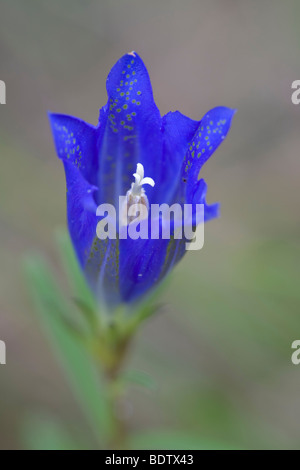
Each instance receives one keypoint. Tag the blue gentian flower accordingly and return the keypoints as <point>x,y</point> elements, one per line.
<point>132,138</point>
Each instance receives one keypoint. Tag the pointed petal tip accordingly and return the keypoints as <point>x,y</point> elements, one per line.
<point>132,53</point>
<point>51,116</point>
<point>224,109</point>
<point>222,113</point>
<point>54,117</point>
<point>129,68</point>
<point>212,211</point>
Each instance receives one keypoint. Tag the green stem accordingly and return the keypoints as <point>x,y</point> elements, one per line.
<point>111,351</point>
<point>110,347</point>
<point>119,436</point>
<point>118,439</point>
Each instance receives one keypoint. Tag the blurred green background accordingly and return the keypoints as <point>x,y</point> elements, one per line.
<point>220,351</point>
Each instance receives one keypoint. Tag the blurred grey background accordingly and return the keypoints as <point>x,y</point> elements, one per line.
<point>221,350</point>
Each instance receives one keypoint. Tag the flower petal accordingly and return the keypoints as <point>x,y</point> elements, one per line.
<point>80,212</point>
<point>199,197</point>
<point>129,131</point>
<point>211,131</point>
<point>178,131</point>
<point>141,263</point>
<point>76,142</point>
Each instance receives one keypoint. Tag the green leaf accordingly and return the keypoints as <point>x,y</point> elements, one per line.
<point>78,365</point>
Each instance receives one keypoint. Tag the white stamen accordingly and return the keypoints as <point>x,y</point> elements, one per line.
<point>137,186</point>
<point>136,195</point>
